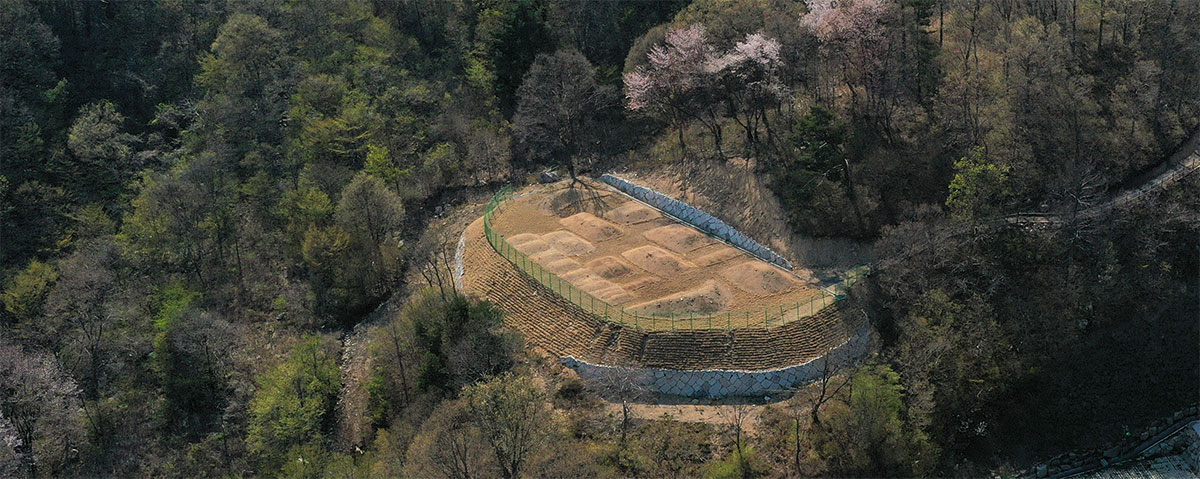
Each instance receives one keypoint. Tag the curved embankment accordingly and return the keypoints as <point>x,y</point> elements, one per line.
<point>552,324</point>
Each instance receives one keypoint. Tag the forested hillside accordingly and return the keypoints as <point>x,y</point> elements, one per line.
<point>199,201</point>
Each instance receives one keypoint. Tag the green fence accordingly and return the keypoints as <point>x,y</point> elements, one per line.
<point>763,318</point>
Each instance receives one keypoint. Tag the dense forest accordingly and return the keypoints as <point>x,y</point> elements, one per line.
<point>200,200</point>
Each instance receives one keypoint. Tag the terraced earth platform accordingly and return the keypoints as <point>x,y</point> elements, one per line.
<point>629,255</point>
<point>555,326</point>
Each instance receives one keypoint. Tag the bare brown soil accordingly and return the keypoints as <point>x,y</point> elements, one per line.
<point>679,238</point>
<point>590,227</point>
<point>758,278</point>
<point>552,325</point>
<point>568,243</point>
<point>709,297</point>
<point>632,213</point>
<point>609,267</point>
<point>657,261</point>
<point>629,255</point>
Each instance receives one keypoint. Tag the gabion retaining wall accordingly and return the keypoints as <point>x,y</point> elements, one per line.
<point>696,217</point>
<point>719,383</point>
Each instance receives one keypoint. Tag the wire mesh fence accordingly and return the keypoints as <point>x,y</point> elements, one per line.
<point>763,318</point>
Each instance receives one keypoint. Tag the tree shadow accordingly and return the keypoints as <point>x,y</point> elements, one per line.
<point>583,197</point>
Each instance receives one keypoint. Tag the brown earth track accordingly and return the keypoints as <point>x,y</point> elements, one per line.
<point>552,324</point>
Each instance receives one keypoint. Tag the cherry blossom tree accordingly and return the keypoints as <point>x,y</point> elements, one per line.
<point>749,76</point>
<point>677,85</point>
<point>855,38</point>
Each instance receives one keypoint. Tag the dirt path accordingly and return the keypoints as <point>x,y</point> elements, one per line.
<point>355,355</point>
<point>1183,163</point>
<point>714,414</point>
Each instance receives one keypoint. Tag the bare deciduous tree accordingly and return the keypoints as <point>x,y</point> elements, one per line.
<point>79,307</point>
<point>623,385</point>
<point>449,446</point>
<point>513,415</point>
<point>556,112</point>
<point>434,259</point>
<point>737,416</point>
<point>39,404</point>
<point>827,386</point>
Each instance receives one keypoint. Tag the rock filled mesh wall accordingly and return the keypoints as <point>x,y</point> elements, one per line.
<point>719,383</point>
<point>698,218</point>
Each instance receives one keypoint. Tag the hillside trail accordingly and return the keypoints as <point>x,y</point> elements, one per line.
<point>352,424</point>
<point>1184,162</point>
<point>1180,165</point>
<point>713,414</point>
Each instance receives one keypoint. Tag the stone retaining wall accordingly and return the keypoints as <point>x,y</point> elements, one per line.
<point>719,383</point>
<point>459,269</point>
<point>696,217</point>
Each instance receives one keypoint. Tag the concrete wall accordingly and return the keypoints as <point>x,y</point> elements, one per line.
<point>696,217</point>
<point>718,383</point>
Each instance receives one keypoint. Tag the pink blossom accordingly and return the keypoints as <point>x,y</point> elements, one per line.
<point>857,20</point>
<point>679,65</point>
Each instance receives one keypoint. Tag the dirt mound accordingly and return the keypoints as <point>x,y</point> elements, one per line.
<point>578,276</point>
<point>632,213</point>
<point>678,238</point>
<point>528,243</point>
<point>600,288</point>
<point>657,261</point>
<point>758,278</point>
<point>548,256</point>
<point>568,243</point>
<point>640,283</point>
<point>563,266</point>
<point>708,298</point>
<point>720,254</point>
<point>589,226</point>
<point>609,267</point>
